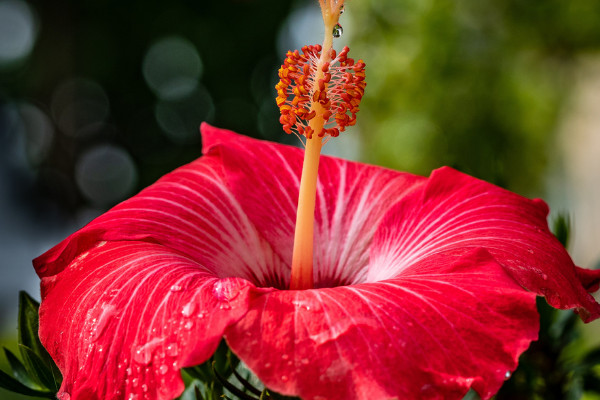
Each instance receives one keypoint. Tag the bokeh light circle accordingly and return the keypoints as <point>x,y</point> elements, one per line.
<point>18,31</point>
<point>106,174</point>
<point>172,67</point>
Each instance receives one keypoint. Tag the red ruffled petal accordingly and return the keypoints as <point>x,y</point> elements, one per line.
<point>191,211</point>
<point>124,317</point>
<point>455,213</point>
<point>426,335</point>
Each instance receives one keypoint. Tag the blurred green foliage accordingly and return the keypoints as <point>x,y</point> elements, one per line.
<point>477,85</point>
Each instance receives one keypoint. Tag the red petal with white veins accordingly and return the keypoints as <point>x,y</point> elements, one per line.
<point>422,335</point>
<point>124,317</point>
<point>455,213</point>
<point>190,210</point>
<point>352,198</point>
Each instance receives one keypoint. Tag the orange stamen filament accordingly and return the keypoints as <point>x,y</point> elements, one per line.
<point>302,259</point>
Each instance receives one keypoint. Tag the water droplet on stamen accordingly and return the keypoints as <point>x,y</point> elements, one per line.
<point>337,31</point>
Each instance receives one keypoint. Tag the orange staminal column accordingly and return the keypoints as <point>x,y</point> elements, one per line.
<point>317,99</point>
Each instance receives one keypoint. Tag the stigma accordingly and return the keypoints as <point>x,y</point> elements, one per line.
<point>309,88</point>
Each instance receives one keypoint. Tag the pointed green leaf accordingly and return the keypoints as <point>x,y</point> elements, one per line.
<point>9,383</point>
<point>29,323</point>
<point>19,371</point>
<point>39,369</point>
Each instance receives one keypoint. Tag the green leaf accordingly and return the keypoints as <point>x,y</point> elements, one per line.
<point>39,368</point>
<point>29,324</point>
<point>36,360</point>
<point>19,371</point>
<point>9,383</point>
<point>229,386</point>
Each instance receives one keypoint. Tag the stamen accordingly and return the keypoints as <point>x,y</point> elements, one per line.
<point>339,92</point>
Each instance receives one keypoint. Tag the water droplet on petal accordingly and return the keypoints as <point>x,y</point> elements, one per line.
<point>342,10</point>
<point>285,357</point>
<point>305,361</point>
<point>507,375</point>
<point>188,309</point>
<point>267,365</point>
<point>143,354</point>
<point>284,378</point>
<point>132,396</point>
<point>176,288</point>
<point>172,350</point>
<point>337,31</point>
<point>108,311</point>
<point>135,382</point>
<point>145,387</point>
<point>163,369</point>
<point>188,325</point>
<point>544,276</point>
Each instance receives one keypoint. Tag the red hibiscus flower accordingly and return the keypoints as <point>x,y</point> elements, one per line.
<point>424,287</point>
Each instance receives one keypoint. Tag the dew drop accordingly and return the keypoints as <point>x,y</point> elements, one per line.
<point>176,288</point>
<point>128,370</point>
<point>143,354</point>
<point>188,309</point>
<point>267,365</point>
<point>285,357</point>
<point>544,276</point>
<point>132,396</point>
<point>188,325</point>
<point>172,350</point>
<point>284,378</point>
<point>135,382</point>
<point>305,361</point>
<point>342,10</point>
<point>145,387</point>
<point>507,375</point>
<point>337,31</point>
<point>163,369</point>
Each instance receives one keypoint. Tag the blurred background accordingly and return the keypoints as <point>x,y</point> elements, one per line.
<point>99,98</point>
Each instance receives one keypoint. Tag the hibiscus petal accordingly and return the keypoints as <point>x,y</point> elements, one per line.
<point>428,335</point>
<point>455,213</point>
<point>124,317</point>
<point>191,211</point>
<point>352,198</point>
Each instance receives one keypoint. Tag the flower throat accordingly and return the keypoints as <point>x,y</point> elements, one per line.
<point>318,96</point>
